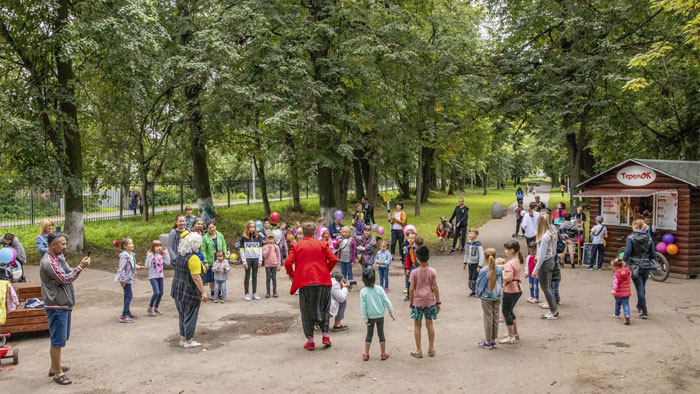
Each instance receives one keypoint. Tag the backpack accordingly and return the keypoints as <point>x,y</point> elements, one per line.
<point>561,243</point>
<point>570,232</point>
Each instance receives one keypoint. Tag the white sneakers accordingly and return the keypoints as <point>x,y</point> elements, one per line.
<point>551,316</point>
<point>255,297</point>
<point>247,297</point>
<point>508,340</point>
<point>191,344</point>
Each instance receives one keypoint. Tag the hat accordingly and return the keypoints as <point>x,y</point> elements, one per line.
<point>599,218</point>
<point>184,234</point>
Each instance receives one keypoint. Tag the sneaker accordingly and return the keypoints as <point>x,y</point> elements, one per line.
<point>222,301</point>
<point>643,316</point>
<point>550,316</point>
<point>616,316</point>
<point>182,343</point>
<point>158,312</point>
<point>125,319</point>
<point>191,344</point>
<point>627,320</point>
<point>589,269</point>
<point>150,312</point>
<point>406,298</point>
<point>247,297</point>
<point>600,269</point>
<point>484,345</point>
<point>309,346</point>
<point>255,296</point>
<point>508,340</point>
<point>405,290</point>
<point>134,317</point>
<point>558,302</point>
<point>530,299</point>
<point>326,341</point>
<point>267,295</point>
<point>544,305</point>
<point>386,289</point>
<point>493,345</point>
<point>275,295</point>
<point>216,301</point>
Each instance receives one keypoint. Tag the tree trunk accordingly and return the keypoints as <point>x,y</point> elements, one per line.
<point>453,183</point>
<point>293,172</point>
<point>573,152</point>
<point>357,175</point>
<point>372,185</point>
<point>260,171</point>
<point>340,184</point>
<point>419,178</point>
<point>485,181</point>
<point>427,172</point>
<point>433,179</point>
<point>143,174</point>
<point>326,196</point>
<point>404,185</point>
<point>68,125</point>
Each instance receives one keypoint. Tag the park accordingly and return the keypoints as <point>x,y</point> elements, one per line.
<point>524,177</point>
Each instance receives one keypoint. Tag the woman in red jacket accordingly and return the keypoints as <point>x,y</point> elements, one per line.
<point>309,266</point>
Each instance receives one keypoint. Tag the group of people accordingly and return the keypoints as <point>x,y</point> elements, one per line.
<point>199,255</point>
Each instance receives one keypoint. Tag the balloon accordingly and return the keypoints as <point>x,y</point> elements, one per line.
<point>338,215</point>
<point>7,255</point>
<point>669,239</point>
<point>116,243</point>
<point>380,230</point>
<point>661,247</point>
<point>409,227</point>
<point>621,255</point>
<point>258,225</point>
<point>233,256</point>
<point>274,217</point>
<point>374,228</point>
<point>672,249</point>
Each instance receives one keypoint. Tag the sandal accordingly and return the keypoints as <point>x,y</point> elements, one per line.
<point>63,380</point>
<point>431,353</point>
<point>64,369</point>
<point>417,355</point>
<point>385,356</point>
<point>365,356</point>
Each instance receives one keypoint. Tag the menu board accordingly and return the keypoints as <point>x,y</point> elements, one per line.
<point>666,210</point>
<point>611,210</point>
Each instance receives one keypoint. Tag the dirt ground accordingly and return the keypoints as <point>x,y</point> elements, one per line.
<point>257,346</point>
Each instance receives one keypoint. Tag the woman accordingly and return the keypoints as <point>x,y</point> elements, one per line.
<point>529,223</point>
<point>42,244</point>
<point>198,227</point>
<point>334,228</point>
<point>639,251</point>
<point>187,288</point>
<point>174,236</point>
<point>511,290</point>
<point>251,245</point>
<point>398,222</point>
<point>212,242</point>
<point>580,221</point>
<point>546,249</point>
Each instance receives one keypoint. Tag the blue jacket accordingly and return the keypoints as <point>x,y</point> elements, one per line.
<point>333,230</point>
<point>42,244</point>
<point>482,284</point>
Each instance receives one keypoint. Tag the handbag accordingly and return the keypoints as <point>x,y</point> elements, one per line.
<point>634,269</point>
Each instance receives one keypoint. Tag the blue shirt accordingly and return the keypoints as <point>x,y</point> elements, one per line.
<point>333,230</point>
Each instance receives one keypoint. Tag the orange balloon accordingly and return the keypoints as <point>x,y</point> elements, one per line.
<point>672,249</point>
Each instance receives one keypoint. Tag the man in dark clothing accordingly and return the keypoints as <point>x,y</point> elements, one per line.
<point>461,217</point>
<point>368,210</point>
<point>540,204</point>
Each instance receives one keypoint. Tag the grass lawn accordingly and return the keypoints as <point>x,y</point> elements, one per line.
<point>231,220</point>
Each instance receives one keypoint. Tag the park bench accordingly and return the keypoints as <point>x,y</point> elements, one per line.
<point>26,320</point>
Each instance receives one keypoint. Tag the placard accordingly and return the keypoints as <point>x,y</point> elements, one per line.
<point>611,210</point>
<point>666,211</point>
<point>587,254</point>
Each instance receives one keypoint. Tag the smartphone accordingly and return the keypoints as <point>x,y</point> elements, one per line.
<point>89,252</point>
<point>353,282</point>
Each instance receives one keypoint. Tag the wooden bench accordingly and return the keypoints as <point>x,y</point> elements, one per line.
<point>26,320</point>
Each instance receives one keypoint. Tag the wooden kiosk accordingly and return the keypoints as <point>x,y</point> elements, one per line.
<point>669,190</point>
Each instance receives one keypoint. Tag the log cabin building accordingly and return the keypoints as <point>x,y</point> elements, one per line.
<point>668,190</point>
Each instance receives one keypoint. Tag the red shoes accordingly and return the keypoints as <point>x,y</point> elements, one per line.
<point>309,346</point>
<point>326,341</point>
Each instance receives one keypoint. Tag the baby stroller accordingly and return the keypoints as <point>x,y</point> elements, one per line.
<point>13,271</point>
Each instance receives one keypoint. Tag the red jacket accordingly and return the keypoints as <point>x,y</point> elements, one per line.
<point>310,262</point>
<point>441,234</point>
<point>410,262</point>
<point>621,282</point>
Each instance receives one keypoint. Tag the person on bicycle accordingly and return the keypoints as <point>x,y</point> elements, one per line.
<point>639,252</point>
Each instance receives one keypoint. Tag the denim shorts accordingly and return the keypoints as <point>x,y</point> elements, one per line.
<point>59,326</point>
<point>427,312</point>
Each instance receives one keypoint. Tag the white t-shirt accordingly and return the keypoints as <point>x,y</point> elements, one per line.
<point>396,225</point>
<point>599,232</point>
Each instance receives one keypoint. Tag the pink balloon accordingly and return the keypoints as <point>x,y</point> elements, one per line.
<point>409,227</point>
<point>380,230</point>
<point>661,247</point>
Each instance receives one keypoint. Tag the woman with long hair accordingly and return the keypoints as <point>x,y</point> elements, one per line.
<point>174,236</point>
<point>251,245</point>
<point>489,287</point>
<point>511,290</point>
<point>42,244</point>
<point>546,249</point>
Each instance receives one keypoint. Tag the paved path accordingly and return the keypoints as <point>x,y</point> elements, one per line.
<point>256,347</point>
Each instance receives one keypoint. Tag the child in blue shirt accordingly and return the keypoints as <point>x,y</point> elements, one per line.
<point>383,260</point>
<point>373,302</point>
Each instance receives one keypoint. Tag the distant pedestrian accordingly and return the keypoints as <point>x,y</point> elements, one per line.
<point>461,217</point>
<point>368,210</point>
<point>563,189</point>
<point>529,223</point>
<point>520,212</point>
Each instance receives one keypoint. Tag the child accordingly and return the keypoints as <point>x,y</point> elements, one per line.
<point>126,276</point>
<point>347,253</point>
<point>320,223</point>
<point>473,257</point>
<point>534,282</point>
<point>383,260</point>
<point>425,300</point>
<point>621,289</point>
<point>373,301</point>
<point>558,216</point>
<point>442,231</point>
<point>519,215</point>
<point>251,254</point>
<point>358,220</point>
<point>189,218</point>
<point>156,257</point>
<point>489,287</point>
<point>221,268</point>
<point>410,261</point>
<point>272,259</point>
<point>511,289</point>
<point>281,239</point>
<point>267,227</point>
<point>365,246</point>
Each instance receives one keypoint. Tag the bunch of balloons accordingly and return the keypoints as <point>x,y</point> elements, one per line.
<point>667,245</point>
<point>8,255</point>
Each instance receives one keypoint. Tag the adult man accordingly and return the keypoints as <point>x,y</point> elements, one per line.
<point>368,210</point>
<point>57,290</point>
<point>461,217</point>
<point>568,232</point>
<point>540,205</point>
<point>309,266</point>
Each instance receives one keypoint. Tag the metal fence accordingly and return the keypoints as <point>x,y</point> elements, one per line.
<point>25,206</point>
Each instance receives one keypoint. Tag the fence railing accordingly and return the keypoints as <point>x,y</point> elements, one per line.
<point>28,205</point>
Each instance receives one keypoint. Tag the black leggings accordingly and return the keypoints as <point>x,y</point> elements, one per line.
<point>397,237</point>
<point>509,301</point>
<point>380,329</point>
